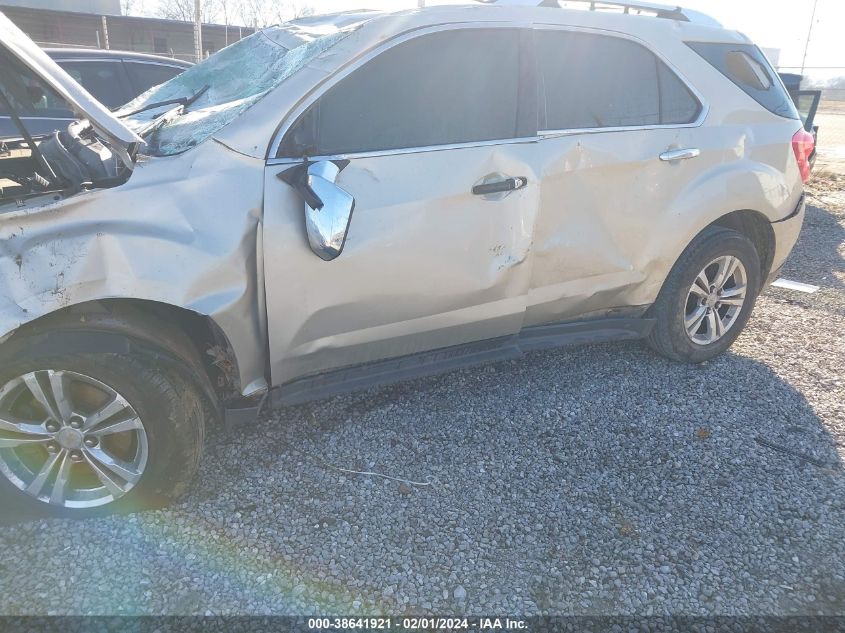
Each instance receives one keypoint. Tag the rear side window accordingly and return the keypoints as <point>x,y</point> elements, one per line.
<point>597,81</point>
<point>104,80</point>
<point>749,69</point>
<point>456,86</point>
<point>144,76</point>
<point>677,105</point>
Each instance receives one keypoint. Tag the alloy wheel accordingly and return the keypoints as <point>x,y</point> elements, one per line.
<point>69,440</point>
<point>715,300</point>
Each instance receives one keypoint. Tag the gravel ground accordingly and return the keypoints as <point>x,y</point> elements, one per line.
<point>594,480</point>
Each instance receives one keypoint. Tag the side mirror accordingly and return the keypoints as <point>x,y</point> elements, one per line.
<point>328,208</point>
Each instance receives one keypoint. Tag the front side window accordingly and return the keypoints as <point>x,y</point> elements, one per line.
<point>598,81</point>
<point>455,86</point>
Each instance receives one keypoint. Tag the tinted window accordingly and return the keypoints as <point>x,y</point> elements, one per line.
<point>144,76</point>
<point>749,69</point>
<point>594,81</point>
<point>104,80</point>
<point>677,104</point>
<point>28,93</point>
<point>450,87</point>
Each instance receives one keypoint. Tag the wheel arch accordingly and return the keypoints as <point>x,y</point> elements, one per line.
<point>757,228</point>
<point>753,224</point>
<point>123,325</point>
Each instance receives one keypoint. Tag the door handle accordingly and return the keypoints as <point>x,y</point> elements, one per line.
<point>509,184</point>
<point>680,154</point>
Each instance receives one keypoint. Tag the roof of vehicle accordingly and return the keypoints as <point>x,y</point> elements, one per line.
<point>620,15</point>
<point>99,53</point>
<point>369,30</point>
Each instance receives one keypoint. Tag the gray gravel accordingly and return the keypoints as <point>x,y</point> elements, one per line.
<point>595,480</point>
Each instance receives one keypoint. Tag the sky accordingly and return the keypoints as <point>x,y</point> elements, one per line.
<point>779,24</point>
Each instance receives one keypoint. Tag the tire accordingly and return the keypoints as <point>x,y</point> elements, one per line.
<point>160,458</point>
<point>677,301</point>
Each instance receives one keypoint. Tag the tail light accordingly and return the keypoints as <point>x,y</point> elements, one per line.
<point>803,146</point>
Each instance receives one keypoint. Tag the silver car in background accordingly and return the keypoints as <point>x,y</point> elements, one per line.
<point>349,200</point>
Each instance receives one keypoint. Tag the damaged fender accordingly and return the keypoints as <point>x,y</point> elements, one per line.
<point>151,241</point>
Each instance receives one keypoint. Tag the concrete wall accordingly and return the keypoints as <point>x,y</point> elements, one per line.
<point>144,35</point>
<point>100,7</point>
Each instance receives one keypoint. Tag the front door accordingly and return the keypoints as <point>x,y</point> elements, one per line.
<point>430,139</point>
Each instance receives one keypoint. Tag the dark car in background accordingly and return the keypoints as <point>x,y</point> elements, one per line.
<point>112,77</point>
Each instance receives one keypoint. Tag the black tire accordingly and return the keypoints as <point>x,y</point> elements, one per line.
<point>170,406</point>
<point>669,336</point>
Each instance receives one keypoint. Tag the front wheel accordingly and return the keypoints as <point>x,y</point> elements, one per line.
<point>84,434</point>
<point>707,297</point>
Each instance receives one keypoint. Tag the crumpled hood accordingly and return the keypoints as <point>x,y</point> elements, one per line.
<point>80,101</point>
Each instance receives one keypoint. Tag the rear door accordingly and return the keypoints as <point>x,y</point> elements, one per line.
<point>427,263</point>
<point>612,114</point>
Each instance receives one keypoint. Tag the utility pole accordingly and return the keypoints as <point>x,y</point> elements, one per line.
<point>197,31</point>
<point>809,32</point>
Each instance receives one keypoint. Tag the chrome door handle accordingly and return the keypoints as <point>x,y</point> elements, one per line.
<point>680,154</point>
<point>508,184</point>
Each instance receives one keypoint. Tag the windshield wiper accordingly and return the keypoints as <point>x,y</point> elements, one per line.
<point>182,101</point>
<point>160,120</point>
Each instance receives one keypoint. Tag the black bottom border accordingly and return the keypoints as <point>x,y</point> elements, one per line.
<point>517,624</point>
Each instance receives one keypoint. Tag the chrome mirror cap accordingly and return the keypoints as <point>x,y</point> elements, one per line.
<point>328,208</point>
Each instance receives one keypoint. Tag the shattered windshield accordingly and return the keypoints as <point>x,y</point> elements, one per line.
<point>236,77</point>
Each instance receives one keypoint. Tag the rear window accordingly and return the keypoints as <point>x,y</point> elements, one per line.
<point>747,67</point>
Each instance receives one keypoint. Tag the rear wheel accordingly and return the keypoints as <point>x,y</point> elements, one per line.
<point>83,434</point>
<point>707,297</point>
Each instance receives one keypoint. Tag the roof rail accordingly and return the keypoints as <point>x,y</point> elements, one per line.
<point>627,6</point>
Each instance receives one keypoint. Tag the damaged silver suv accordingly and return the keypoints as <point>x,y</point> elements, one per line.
<point>349,200</point>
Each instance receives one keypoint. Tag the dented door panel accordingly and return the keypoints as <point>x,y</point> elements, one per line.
<point>604,196</point>
<point>614,218</point>
<point>426,263</point>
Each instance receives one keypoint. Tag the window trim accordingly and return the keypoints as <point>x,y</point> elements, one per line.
<point>116,60</point>
<point>308,100</point>
<point>704,105</point>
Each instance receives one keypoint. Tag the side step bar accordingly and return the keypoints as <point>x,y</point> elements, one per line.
<point>439,361</point>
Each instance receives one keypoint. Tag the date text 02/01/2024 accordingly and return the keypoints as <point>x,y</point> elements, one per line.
<point>416,623</point>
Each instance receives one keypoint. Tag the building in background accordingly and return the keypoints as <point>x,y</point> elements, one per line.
<point>100,7</point>
<point>103,27</point>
